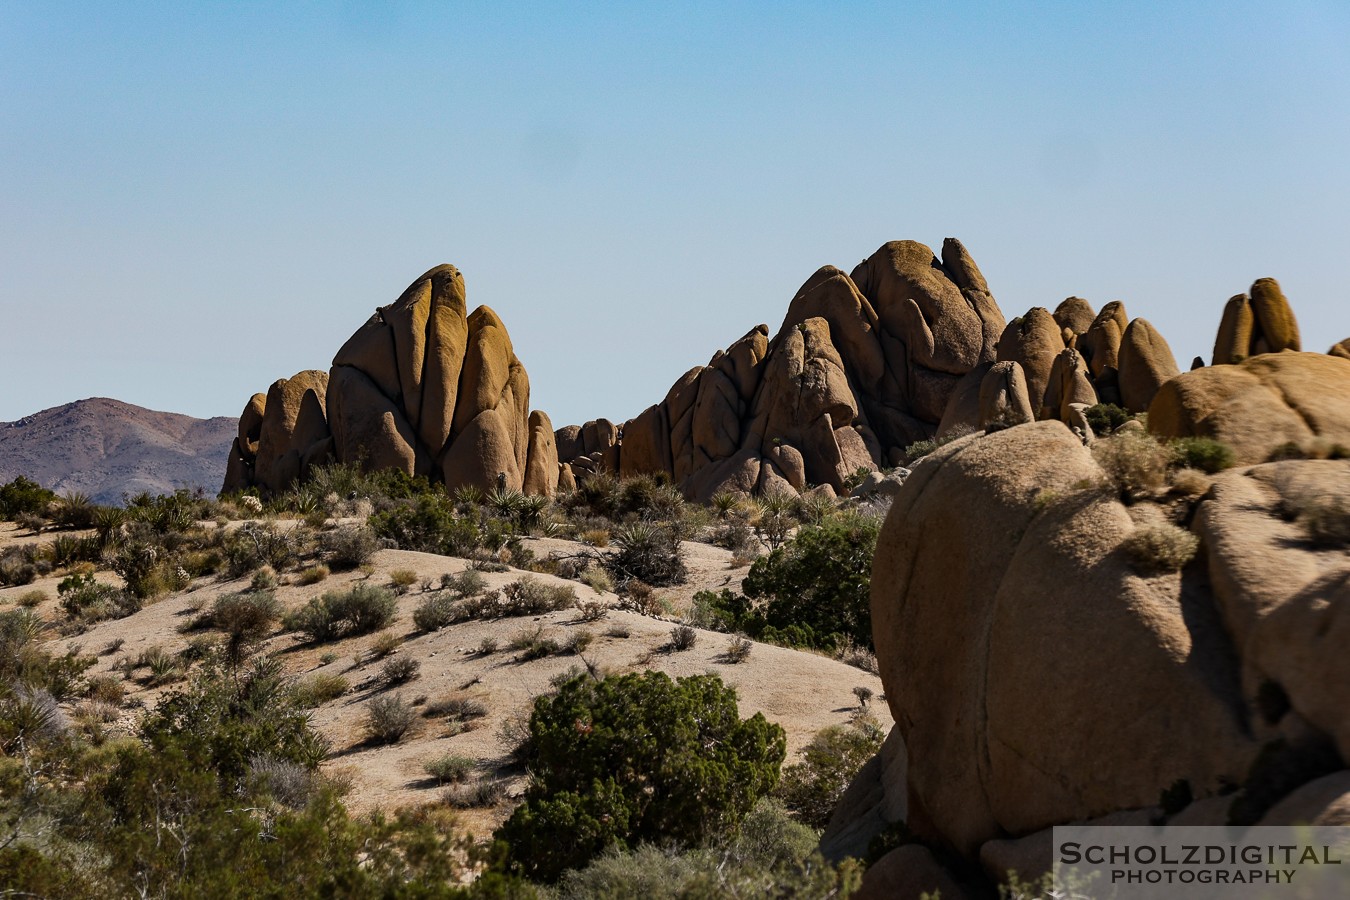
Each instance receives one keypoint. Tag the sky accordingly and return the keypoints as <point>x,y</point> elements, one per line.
<point>199,198</point>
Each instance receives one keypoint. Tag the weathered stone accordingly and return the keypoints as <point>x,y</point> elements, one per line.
<point>250,425</point>
<point>909,873</point>
<point>541,467</point>
<point>1032,341</point>
<point>1341,349</point>
<point>1069,384</point>
<point>1259,404</point>
<point>1100,346</point>
<point>1075,314</point>
<point>1003,400</point>
<point>645,446</point>
<point>1233,343</point>
<point>293,419</point>
<point>569,442</point>
<point>369,428</point>
<point>1145,363</point>
<point>1276,328</point>
<point>998,635</point>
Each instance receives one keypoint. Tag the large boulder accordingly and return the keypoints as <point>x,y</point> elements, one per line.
<point>1145,362</point>
<point>1261,323</point>
<point>1259,404</point>
<point>293,421</point>
<point>1035,675</point>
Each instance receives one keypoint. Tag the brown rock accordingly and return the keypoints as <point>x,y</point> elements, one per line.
<point>866,807</point>
<point>486,369</point>
<point>1075,314</point>
<point>1032,341</point>
<point>293,419</point>
<point>1068,385</point>
<point>831,295</point>
<point>567,481</point>
<point>741,361</point>
<point>238,470</point>
<point>1234,340</point>
<point>1100,346</point>
<point>482,453</point>
<point>909,873</point>
<point>371,349</point>
<point>646,444</point>
<point>962,414</point>
<point>1003,397</point>
<point>916,299</point>
<point>1259,404</point>
<point>1145,363</point>
<point>1323,802</point>
<point>1342,349</point>
<point>541,467</point>
<point>1276,328</point>
<point>448,354</point>
<point>998,636</point>
<point>569,443</point>
<point>250,425</point>
<point>368,427</point>
<point>788,460</point>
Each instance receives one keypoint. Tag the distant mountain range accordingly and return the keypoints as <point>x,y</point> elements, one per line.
<point>106,448</point>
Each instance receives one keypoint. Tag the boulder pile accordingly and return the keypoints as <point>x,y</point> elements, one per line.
<point>423,387</point>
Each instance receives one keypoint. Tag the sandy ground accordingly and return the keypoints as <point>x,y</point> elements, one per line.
<point>803,692</point>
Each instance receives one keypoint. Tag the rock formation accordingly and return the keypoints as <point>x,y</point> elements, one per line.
<point>422,386</point>
<point>1040,673</point>
<point>863,365</point>
<point>1259,404</point>
<point>1261,323</point>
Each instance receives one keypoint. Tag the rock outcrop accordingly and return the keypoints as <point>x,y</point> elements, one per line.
<point>1041,673</point>
<point>1261,323</point>
<point>423,387</point>
<point>863,365</point>
<point>1259,404</point>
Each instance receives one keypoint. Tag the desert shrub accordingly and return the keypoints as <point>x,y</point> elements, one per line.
<point>813,591</point>
<point>87,600</point>
<point>864,695</point>
<point>812,788</point>
<point>245,618</point>
<point>25,659</point>
<point>73,510</point>
<point>597,579</point>
<point>527,596</point>
<point>399,670</point>
<point>314,574</point>
<point>637,758</point>
<point>456,706</point>
<point>478,794</point>
<point>1161,548</point>
<point>649,553</point>
<point>1325,519</point>
<point>452,767</point>
<point>386,642</point>
<point>592,610</point>
<point>289,783</point>
<point>388,718</point>
<point>434,612</point>
<point>1206,454</point>
<point>24,496</point>
<point>918,450</point>
<point>1190,482</point>
<point>105,689</point>
<point>428,524</point>
<point>682,637</point>
<point>349,546</point>
<point>1135,463</point>
<point>265,579</point>
<point>468,583</point>
<point>361,609</point>
<point>619,630</point>
<point>738,651</point>
<point>318,689</point>
<point>15,568</point>
<point>29,716</point>
<point>32,599</point>
<point>487,646</point>
<point>578,641</point>
<point>233,715</point>
<point>401,580</point>
<point>256,544</point>
<point>1105,418</point>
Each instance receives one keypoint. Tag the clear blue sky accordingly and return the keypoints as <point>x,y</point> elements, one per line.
<point>197,199</point>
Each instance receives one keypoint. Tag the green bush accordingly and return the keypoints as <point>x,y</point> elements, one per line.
<point>1135,463</point>
<point>1106,418</point>
<point>24,496</point>
<point>528,596</point>
<point>389,718</point>
<point>637,758</point>
<point>87,600</point>
<point>1205,454</point>
<point>232,715</point>
<point>349,546</point>
<point>648,553</point>
<point>812,788</point>
<point>318,689</point>
<point>813,591</point>
<point>245,618</point>
<point>428,524</point>
<point>434,612</point>
<point>361,609</point>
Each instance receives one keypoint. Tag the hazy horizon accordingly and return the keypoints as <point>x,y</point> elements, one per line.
<point>202,199</point>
